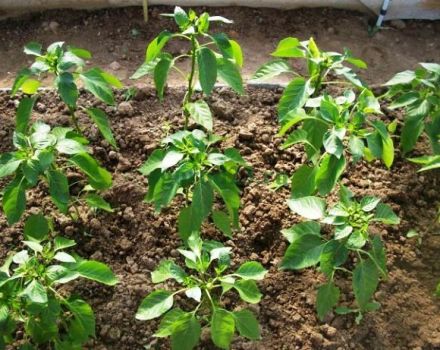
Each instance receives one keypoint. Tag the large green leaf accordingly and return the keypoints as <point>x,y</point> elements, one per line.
<point>167,269</point>
<point>35,292</point>
<point>161,74</point>
<point>247,324</point>
<point>329,172</point>
<point>200,112</point>
<point>303,181</point>
<point>10,166</point>
<point>303,252</point>
<point>222,328</point>
<point>405,77</point>
<point>99,178</point>
<point>67,88</point>
<point>248,291</point>
<point>365,281</point>
<point>102,122</point>
<point>156,45</point>
<point>97,85</point>
<point>222,221</point>
<point>36,228</point>
<point>59,189</point>
<point>153,162</point>
<point>207,64</point>
<point>333,255</point>
<point>271,69</point>
<point>411,131</point>
<point>251,270</point>
<point>24,112</point>
<point>186,333</point>
<point>302,229</point>
<point>295,96</point>
<point>327,298</point>
<point>14,200</point>
<point>82,324</point>
<point>96,271</point>
<point>230,74</point>
<point>378,255</point>
<point>385,214</point>
<point>228,190</point>
<point>288,48</point>
<point>95,201</point>
<point>310,207</point>
<point>155,305</point>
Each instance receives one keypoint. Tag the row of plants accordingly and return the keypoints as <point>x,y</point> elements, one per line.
<point>330,112</point>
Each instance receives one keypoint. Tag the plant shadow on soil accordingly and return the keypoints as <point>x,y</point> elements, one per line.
<point>134,239</point>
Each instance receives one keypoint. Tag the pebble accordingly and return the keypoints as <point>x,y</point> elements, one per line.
<point>398,23</point>
<point>125,108</point>
<point>115,66</point>
<point>95,224</point>
<point>53,26</point>
<point>245,135</point>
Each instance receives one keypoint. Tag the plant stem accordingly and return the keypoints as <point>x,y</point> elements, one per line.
<point>74,119</point>
<point>190,91</point>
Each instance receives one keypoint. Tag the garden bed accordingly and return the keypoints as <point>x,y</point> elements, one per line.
<point>135,238</point>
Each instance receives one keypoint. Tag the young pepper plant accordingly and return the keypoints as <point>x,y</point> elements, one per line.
<point>44,154</point>
<point>350,220</point>
<point>340,126</point>
<point>66,65</point>
<point>333,131</point>
<point>30,295</point>
<point>418,93</point>
<point>205,282</point>
<point>188,163</point>
<point>206,66</point>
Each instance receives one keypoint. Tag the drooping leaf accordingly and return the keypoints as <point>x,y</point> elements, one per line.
<point>271,69</point>
<point>155,305</point>
<point>230,74</point>
<point>327,298</point>
<point>310,207</point>
<point>200,112</point>
<point>207,64</point>
<point>294,96</point>
<point>98,177</point>
<point>303,252</point>
<point>97,85</point>
<point>14,201</point>
<point>36,227</point>
<point>102,122</point>
<point>247,324</point>
<point>24,112</point>
<point>161,74</point>
<point>67,88</point>
<point>251,270</point>
<point>365,281</point>
<point>96,271</point>
<point>222,328</point>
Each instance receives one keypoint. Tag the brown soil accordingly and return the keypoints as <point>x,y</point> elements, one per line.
<point>134,239</point>
<point>120,35</point>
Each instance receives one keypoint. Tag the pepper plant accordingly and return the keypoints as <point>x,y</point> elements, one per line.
<point>207,65</point>
<point>331,128</point>
<point>32,297</point>
<point>350,221</point>
<point>188,163</point>
<point>66,64</point>
<point>44,154</point>
<point>418,93</point>
<point>206,282</point>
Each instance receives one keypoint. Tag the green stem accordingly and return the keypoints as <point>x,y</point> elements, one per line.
<point>190,91</point>
<point>74,119</point>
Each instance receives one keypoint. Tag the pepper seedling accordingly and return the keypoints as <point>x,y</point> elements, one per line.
<point>207,65</point>
<point>350,220</point>
<point>189,163</point>
<point>32,298</point>
<point>66,64</point>
<point>206,284</point>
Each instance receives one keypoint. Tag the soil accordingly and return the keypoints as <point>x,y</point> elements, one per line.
<point>134,239</point>
<point>118,37</point>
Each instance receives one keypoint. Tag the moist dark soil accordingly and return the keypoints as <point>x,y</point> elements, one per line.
<point>118,37</point>
<point>134,239</point>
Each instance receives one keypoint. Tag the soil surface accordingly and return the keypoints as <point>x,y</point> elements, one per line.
<point>134,239</point>
<point>118,37</point>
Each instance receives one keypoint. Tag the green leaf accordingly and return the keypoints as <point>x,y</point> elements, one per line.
<point>302,229</point>
<point>161,74</point>
<point>24,112</point>
<point>111,80</point>
<point>167,269</point>
<point>102,122</point>
<point>33,48</point>
<point>35,292</point>
<point>248,291</point>
<point>145,69</point>
<point>66,86</point>
<point>30,86</point>
<point>153,162</point>
<point>69,146</point>
<point>378,255</point>
<point>155,46</point>
<point>180,17</point>
<point>303,252</point>
<point>154,305</point>
<point>327,298</point>
<point>237,53</point>
<point>251,270</point>
<point>222,328</point>
<point>288,48</point>
<point>14,200</point>
<point>207,64</point>
<point>333,255</point>
<point>357,147</point>
<point>230,74</point>
<point>36,228</point>
<point>96,271</point>
<point>271,69</point>
<point>200,112</point>
<point>186,333</point>
<point>99,178</point>
<point>61,243</point>
<point>97,202</point>
<point>303,181</point>
<point>385,214</point>
<point>365,281</point>
<point>59,189</point>
<point>312,208</point>
<point>247,324</point>
<point>330,170</point>
<point>81,53</point>
<point>222,222</point>
<point>82,325</point>
<point>333,144</point>
<point>297,136</point>
<point>294,96</point>
<point>411,131</point>
<point>404,100</point>
<point>369,203</point>
<point>170,321</point>
<point>20,79</point>
<point>387,143</point>
<point>405,77</point>
<point>161,190</point>
<point>97,85</point>
<point>9,167</point>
